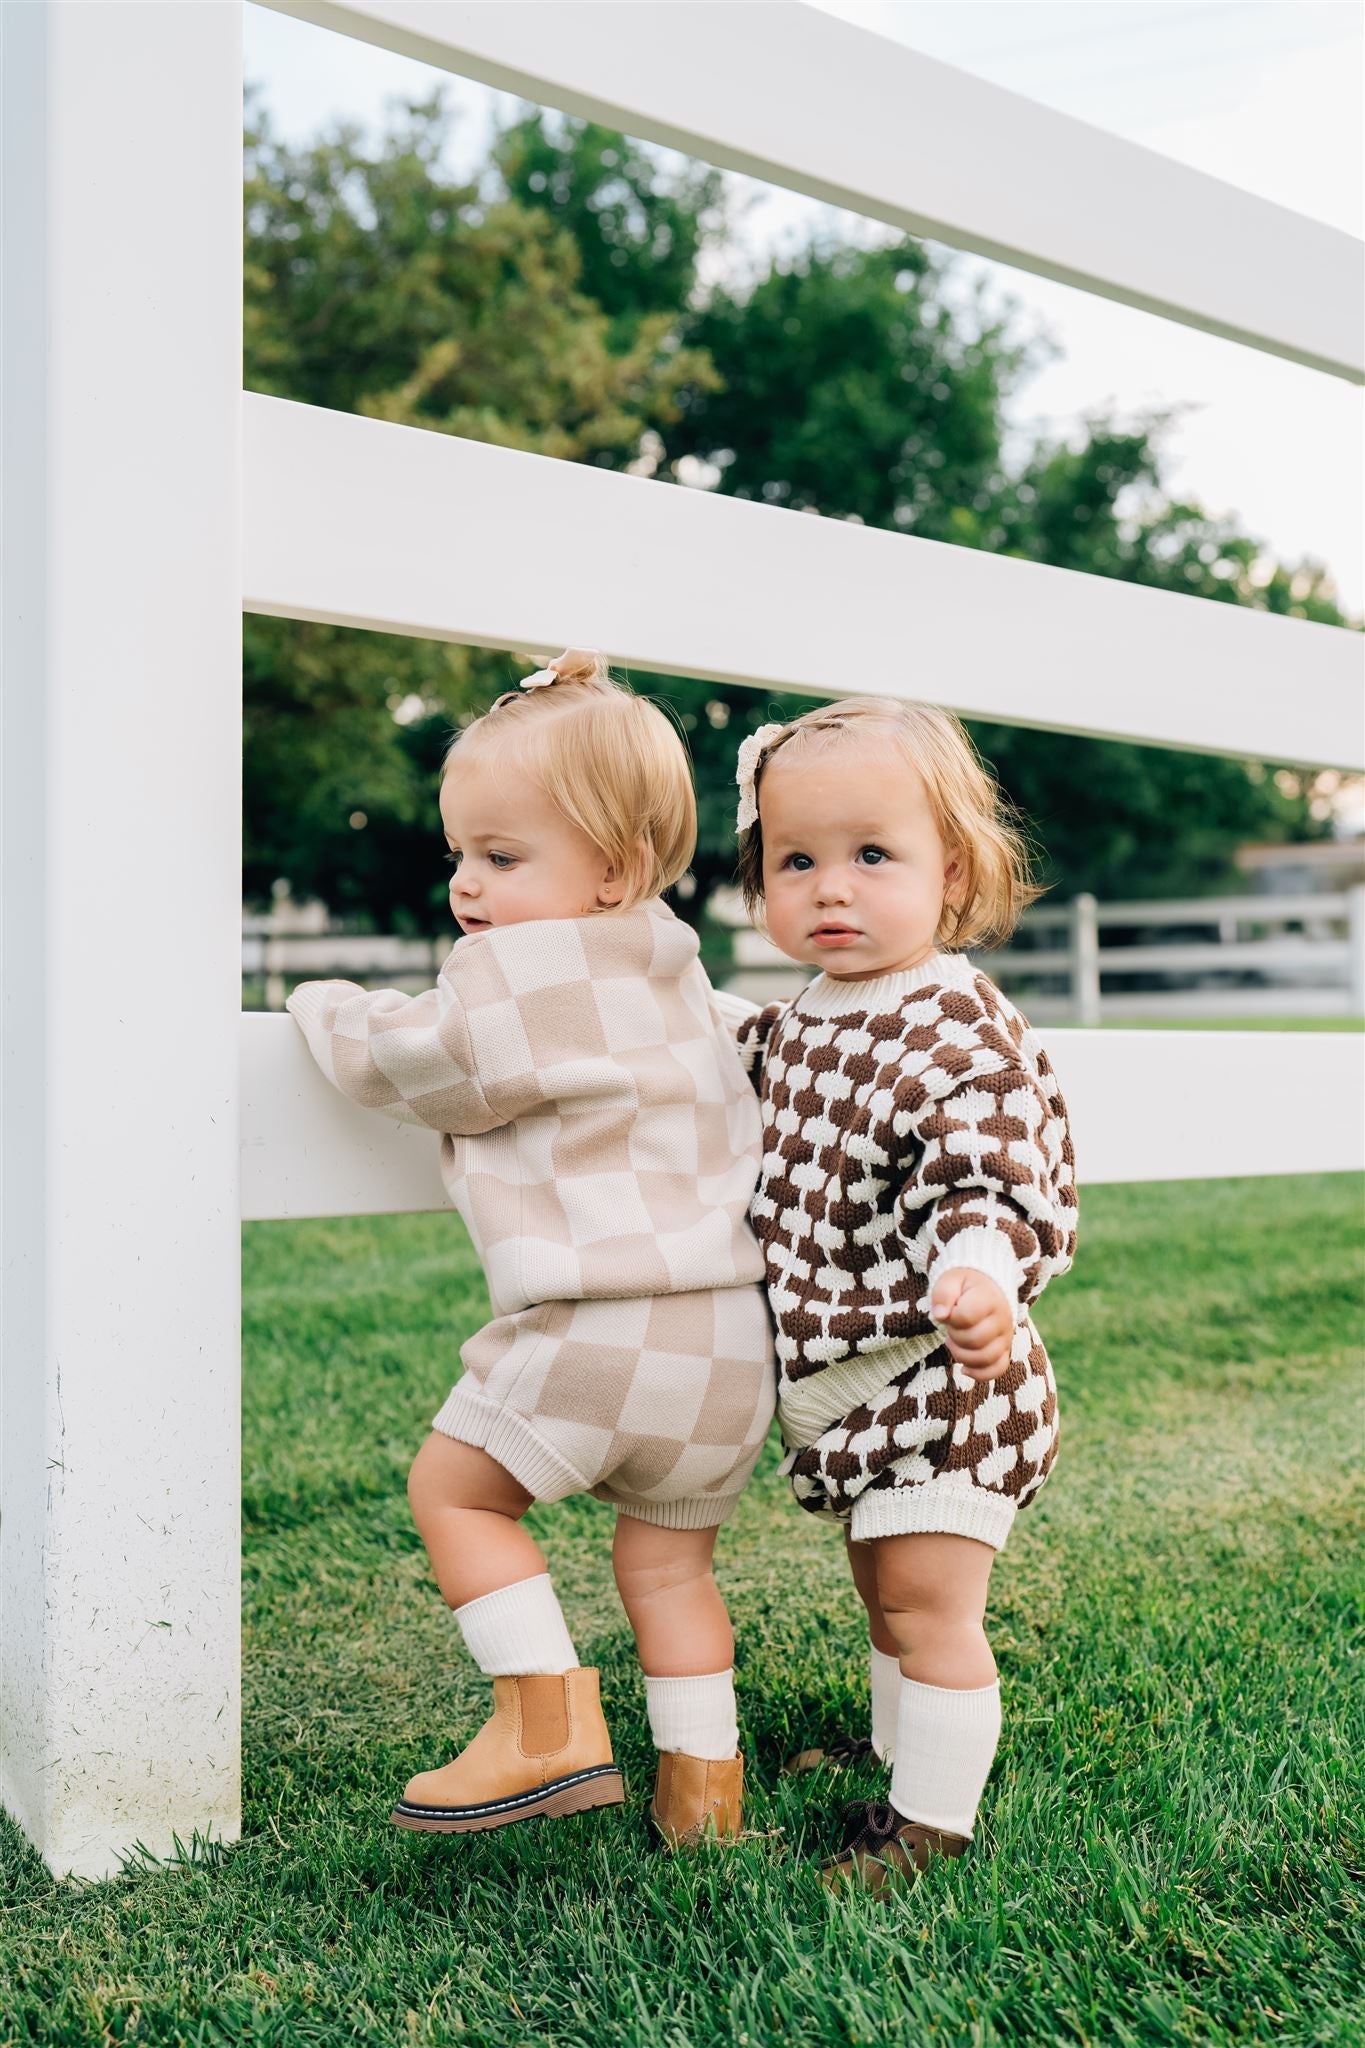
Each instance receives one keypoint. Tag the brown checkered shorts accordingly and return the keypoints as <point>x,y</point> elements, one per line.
<point>658,1405</point>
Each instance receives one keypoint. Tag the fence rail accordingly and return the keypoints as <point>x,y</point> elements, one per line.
<point>1309,973</point>
<point>884,136</point>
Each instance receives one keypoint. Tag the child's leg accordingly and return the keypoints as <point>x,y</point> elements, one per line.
<point>468,1512</point>
<point>687,1650</point>
<point>671,1598</point>
<point>545,1750</point>
<point>932,1590</point>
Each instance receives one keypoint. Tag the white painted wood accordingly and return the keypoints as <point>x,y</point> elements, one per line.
<point>121,381</point>
<point>1215,909</point>
<point>788,94</point>
<point>308,1152</point>
<point>1085,960</point>
<point>1327,956</point>
<point>368,524</point>
<point>1356,917</point>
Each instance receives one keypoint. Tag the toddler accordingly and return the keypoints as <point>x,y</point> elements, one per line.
<point>916,1195</point>
<point>601,1142</point>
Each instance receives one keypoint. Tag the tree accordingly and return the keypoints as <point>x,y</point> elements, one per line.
<point>556,308</point>
<point>375,285</point>
<point>849,387</point>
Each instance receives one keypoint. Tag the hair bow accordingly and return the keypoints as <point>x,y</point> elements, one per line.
<point>746,772</point>
<point>543,677</point>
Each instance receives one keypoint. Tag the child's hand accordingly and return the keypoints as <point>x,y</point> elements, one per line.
<point>976,1319</point>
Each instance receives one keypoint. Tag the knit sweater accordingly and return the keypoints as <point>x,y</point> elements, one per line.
<point>912,1124</point>
<point>598,1134</point>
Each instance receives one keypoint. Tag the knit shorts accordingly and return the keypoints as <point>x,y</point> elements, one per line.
<point>901,1441</point>
<point>658,1405</point>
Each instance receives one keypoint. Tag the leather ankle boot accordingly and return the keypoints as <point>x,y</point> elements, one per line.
<point>698,1799</point>
<point>545,1750</point>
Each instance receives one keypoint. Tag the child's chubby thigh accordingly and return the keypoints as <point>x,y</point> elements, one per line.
<point>657,1404</point>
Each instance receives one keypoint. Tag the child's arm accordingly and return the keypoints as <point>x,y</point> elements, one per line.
<point>408,1056</point>
<point>992,1192</point>
<point>751,1027</point>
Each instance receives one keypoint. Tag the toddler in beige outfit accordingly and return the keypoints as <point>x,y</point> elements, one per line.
<point>602,1143</point>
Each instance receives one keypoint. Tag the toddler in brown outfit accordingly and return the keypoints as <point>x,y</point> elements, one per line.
<point>917,1193</point>
<point>601,1141</point>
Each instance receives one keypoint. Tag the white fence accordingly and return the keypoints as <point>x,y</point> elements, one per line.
<point>143,1121</point>
<point>1243,963</point>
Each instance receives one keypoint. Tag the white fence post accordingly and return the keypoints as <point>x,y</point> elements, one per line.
<point>1355,925</point>
<point>119,1467</point>
<point>1085,960</point>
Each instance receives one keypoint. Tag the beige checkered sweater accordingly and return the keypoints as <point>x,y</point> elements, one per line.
<point>598,1134</point>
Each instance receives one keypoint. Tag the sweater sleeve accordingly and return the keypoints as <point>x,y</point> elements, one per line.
<point>752,1032</point>
<point>409,1057</point>
<point>993,1182</point>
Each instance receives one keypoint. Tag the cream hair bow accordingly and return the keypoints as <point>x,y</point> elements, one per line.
<point>543,677</point>
<point>746,769</point>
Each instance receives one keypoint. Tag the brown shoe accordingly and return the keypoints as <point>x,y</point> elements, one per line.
<point>697,1799</point>
<point>545,1750</point>
<point>882,1849</point>
<point>845,1752</point>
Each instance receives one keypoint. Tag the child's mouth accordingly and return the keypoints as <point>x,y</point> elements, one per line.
<point>835,935</point>
<point>475,924</point>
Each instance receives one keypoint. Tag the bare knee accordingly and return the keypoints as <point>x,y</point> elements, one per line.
<point>932,1590</point>
<point>648,1561</point>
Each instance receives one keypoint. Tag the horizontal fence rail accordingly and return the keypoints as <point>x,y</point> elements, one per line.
<point>363,523</point>
<point>786,93</point>
<point>306,1151</point>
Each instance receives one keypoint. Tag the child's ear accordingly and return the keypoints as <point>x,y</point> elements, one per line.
<point>954,880</point>
<point>611,889</point>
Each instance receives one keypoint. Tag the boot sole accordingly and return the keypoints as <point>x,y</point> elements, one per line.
<point>578,1793</point>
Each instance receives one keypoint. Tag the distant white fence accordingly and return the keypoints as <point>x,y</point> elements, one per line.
<point>1236,955</point>
<point>147,499</point>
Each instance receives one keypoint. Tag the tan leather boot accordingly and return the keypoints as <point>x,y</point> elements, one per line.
<point>697,1799</point>
<point>545,1750</point>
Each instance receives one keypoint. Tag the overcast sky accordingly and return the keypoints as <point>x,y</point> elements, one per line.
<point>1265,93</point>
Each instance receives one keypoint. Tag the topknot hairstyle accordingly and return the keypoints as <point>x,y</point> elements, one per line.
<point>974,822</point>
<point>610,761</point>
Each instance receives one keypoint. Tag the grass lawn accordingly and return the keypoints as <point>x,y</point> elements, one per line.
<point>1172,1841</point>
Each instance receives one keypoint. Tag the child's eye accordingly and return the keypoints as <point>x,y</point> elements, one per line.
<point>800,861</point>
<point>454,859</point>
<point>501,860</point>
<point>873,855</point>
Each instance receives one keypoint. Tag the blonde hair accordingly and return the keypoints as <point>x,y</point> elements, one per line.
<point>974,822</point>
<point>610,761</point>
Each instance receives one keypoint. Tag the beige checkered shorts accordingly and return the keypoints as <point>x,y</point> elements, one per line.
<point>658,1405</point>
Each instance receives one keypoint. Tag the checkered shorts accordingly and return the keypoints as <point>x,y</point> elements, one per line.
<point>658,1405</point>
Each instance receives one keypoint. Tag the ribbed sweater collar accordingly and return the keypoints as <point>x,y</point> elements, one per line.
<point>826,997</point>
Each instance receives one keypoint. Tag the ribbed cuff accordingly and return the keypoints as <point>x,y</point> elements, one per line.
<point>886,1701</point>
<point>517,1630</point>
<point>985,1251</point>
<point>306,1003</point>
<point>944,1507</point>
<point>694,1716</point>
<point>945,1746</point>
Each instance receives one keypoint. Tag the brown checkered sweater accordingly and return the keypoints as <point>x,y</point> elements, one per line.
<point>911,1124</point>
<point>598,1134</point>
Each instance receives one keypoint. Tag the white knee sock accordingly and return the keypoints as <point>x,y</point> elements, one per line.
<point>945,1745</point>
<point>518,1630</point>
<point>886,1702</point>
<point>694,1715</point>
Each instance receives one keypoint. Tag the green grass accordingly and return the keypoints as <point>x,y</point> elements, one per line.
<point>1172,1839</point>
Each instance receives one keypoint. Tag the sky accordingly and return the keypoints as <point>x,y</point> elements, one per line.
<point>1264,93</point>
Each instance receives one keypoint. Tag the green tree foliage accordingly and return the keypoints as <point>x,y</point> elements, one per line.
<point>556,308</point>
<point>638,229</point>
<point>375,285</point>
